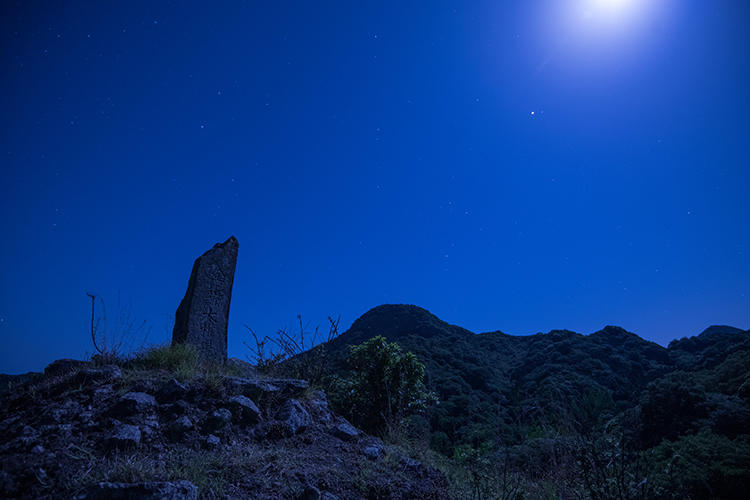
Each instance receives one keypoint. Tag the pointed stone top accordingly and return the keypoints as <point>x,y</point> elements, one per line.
<point>201,319</point>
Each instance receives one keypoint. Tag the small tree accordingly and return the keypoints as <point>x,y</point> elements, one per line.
<point>384,386</point>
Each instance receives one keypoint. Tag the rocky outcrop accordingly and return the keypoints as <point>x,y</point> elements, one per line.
<point>201,319</point>
<point>105,432</point>
<point>172,490</point>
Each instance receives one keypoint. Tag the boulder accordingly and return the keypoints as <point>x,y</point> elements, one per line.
<point>373,451</point>
<point>244,409</point>
<point>218,420</point>
<point>133,403</point>
<point>252,388</point>
<point>345,431</point>
<point>125,436</point>
<point>260,389</point>
<point>180,426</point>
<point>167,490</point>
<point>319,407</point>
<point>211,442</point>
<point>313,493</point>
<point>202,316</point>
<point>108,373</point>
<point>294,416</point>
<point>179,407</point>
<point>172,391</point>
<point>412,465</point>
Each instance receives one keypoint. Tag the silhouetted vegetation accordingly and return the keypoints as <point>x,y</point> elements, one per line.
<point>382,386</point>
<point>564,415</point>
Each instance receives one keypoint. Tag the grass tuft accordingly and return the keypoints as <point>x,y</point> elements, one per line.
<point>180,360</point>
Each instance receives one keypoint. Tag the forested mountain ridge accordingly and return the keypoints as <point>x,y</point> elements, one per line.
<point>543,397</point>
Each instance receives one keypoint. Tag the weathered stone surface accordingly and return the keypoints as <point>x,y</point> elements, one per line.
<point>259,389</point>
<point>245,410</point>
<point>125,436</point>
<point>373,451</point>
<point>108,373</point>
<point>345,431</point>
<point>312,493</point>
<point>172,391</point>
<point>133,403</point>
<point>218,420</point>
<point>294,416</point>
<point>202,317</point>
<point>211,442</point>
<point>172,490</point>
<point>412,465</point>
<point>252,388</point>
<point>319,407</point>
<point>177,429</point>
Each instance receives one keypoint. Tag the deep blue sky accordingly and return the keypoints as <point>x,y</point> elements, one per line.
<point>375,152</point>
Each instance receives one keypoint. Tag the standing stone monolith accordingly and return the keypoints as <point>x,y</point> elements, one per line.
<point>202,317</point>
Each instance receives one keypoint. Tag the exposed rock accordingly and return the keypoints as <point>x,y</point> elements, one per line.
<point>373,451</point>
<point>319,407</point>
<point>244,408</point>
<point>108,373</point>
<point>172,391</point>
<point>133,403</point>
<point>345,431</point>
<point>143,385</point>
<point>294,416</point>
<point>211,442</point>
<point>63,367</point>
<point>292,386</point>
<point>218,420</point>
<point>172,490</point>
<point>412,465</point>
<point>179,427</point>
<point>252,388</point>
<point>125,436</point>
<point>179,407</point>
<point>259,389</point>
<point>313,493</point>
<point>202,317</point>
<point>310,493</point>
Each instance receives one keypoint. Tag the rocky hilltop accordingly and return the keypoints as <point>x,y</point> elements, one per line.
<point>160,426</point>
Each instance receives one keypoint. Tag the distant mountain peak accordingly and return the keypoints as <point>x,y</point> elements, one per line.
<point>718,329</point>
<point>395,320</point>
<point>614,330</point>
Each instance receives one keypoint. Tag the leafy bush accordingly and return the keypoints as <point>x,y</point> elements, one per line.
<point>704,465</point>
<point>384,385</point>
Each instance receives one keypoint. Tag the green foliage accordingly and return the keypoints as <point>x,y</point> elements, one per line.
<point>575,416</point>
<point>702,466</point>
<point>671,406</point>
<point>384,385</point>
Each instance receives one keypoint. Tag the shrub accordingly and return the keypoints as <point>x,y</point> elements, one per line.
<point>384,385</point>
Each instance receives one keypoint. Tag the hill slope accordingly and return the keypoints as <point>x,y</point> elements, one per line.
<point>494,386</point>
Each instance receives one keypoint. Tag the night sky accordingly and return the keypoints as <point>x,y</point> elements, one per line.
<point>521,166</point>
